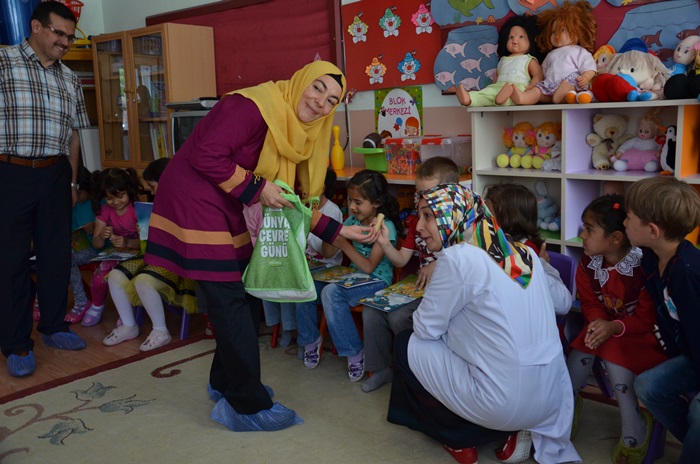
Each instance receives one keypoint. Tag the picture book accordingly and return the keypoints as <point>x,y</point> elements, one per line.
<point>345,277</point>
<point>79,240</point>
<point>116,254</point>
<point>315,265</point>
<point>395,295</point>
<point>143,213</point>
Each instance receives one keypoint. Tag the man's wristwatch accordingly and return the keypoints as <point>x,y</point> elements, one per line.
<point>75,185</point>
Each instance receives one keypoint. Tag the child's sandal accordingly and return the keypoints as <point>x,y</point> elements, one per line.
<point>92,316</point>
<point>76,314</point>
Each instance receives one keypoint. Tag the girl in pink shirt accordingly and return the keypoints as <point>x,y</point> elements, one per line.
<point>117,222</point>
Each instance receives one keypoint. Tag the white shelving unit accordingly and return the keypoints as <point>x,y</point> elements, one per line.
<point>578,183</point>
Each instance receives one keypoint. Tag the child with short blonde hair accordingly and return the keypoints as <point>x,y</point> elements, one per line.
<point>661,212</point>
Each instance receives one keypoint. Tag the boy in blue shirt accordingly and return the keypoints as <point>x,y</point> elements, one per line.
<point>661,211</point>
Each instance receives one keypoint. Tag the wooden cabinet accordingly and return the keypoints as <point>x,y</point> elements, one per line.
<point>578,183</point>
<point>136,73</point>
<point>80,61</point>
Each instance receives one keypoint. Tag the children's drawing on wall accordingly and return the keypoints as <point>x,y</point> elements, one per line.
<point>388,43</point>
<point>446,12</point>
<point>468,58</point>
<point>399,112</point>
<point>358,29</point>
<point>390,23</point>
<point>408,67</point>
<point>376,70</point>
<point>423,20</point>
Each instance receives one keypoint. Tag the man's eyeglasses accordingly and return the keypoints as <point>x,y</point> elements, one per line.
<point>62,35</point>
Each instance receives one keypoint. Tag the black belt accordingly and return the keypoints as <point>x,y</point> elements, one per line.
<point>31,162</point>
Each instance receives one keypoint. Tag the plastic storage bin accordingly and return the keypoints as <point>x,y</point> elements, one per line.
<point>375,158</point>
<point>403,155</point>
<point>458,149</point>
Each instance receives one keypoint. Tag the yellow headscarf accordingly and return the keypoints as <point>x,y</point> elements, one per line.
<point>293,147</point>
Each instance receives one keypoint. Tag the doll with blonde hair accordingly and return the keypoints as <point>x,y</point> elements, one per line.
<point>568,36</point>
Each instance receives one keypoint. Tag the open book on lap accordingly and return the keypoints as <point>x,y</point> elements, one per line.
<point>116,254</point>
<point>395,295</point>
<point>344,276</point>
<point>79,240</point>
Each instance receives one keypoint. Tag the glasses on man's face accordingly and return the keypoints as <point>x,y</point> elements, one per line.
<point>62,35</point>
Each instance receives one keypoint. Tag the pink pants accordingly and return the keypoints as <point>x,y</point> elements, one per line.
<point>98,285</point>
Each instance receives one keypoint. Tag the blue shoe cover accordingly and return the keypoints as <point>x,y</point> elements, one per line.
<point>64,341</point>
<point>21,366</point>
<point>216,395</point>
<point>277,417</point>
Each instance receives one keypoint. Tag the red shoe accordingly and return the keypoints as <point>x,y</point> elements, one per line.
<point>516,448</point>
<point>464,455</point>
<point>208,330</point>
<point>36,314</point>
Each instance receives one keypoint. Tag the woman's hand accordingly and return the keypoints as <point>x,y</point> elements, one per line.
<point>424,275</point>
<point>362,234</point>
<point>271,196</point>
<point>599,331</point>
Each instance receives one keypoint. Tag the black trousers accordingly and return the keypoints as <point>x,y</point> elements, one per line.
<point>235,369</point>
<point>413,406</point>
<point>35,205</point>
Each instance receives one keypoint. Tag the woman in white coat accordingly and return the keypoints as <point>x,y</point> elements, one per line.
<point>484,357</point>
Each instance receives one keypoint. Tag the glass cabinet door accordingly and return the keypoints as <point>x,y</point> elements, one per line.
<point>148,100</point>
<point>113,99</point>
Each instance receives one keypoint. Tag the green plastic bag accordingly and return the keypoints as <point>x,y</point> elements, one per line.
<point>278,270</point>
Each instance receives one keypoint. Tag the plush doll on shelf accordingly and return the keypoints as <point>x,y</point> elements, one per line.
<point>641,152</point>
<point>602,58</point>
<point>519,64</point>
<point>634,75</point>
<point>568,35</point>
<point>609,132</point>
<point>519,140</point>
<point>686,84</point>
<point>547,137</point>
<point>667,158</point>
<point>547,210</point>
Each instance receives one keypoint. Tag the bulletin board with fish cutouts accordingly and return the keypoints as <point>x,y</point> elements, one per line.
<point>389,44</point>
<point>464,56</point>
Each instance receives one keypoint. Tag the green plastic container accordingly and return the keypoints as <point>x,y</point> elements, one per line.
<point>375,158</point>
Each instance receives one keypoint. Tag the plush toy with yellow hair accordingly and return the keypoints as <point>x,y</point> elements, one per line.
<point>519,140</point>
<point>548,146</point>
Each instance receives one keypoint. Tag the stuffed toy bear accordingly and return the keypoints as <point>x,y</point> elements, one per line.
<point>635,75</point>
<point>519,140</point>
<point>641,152</point>
<point>609,132</point>
<point>547,210</point>
<point>687,83</point>
<point>547,136</point>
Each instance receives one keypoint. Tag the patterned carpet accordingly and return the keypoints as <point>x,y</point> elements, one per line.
<point>156,409</point>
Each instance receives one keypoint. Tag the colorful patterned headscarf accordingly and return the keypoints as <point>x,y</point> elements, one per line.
<point>462,216</point>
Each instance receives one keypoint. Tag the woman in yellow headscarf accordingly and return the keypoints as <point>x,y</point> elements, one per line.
<point>276,130</point>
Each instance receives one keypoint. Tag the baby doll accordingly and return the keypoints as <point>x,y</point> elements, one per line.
<point>568,34</point>
<point>519,141</point>
<point>641,152</point>
<point>547,137</point>
<point>518,65</point>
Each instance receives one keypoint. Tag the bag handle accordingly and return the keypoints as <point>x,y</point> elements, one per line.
<point>291,196</point>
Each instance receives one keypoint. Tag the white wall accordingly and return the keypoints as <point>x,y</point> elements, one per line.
<point>103,16</point>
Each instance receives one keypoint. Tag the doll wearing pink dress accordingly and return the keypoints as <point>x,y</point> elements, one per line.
<point>568,35</point>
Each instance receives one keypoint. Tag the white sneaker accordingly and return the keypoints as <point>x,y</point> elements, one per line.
<point>121,334</point>
<point>156,339</point>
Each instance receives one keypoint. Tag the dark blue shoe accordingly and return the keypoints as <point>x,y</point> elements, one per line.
<point>21,366</point>
<point>64,341</point>
<point>277,417</point>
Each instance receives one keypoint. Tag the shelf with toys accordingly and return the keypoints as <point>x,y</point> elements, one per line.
<point>578,182</point>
